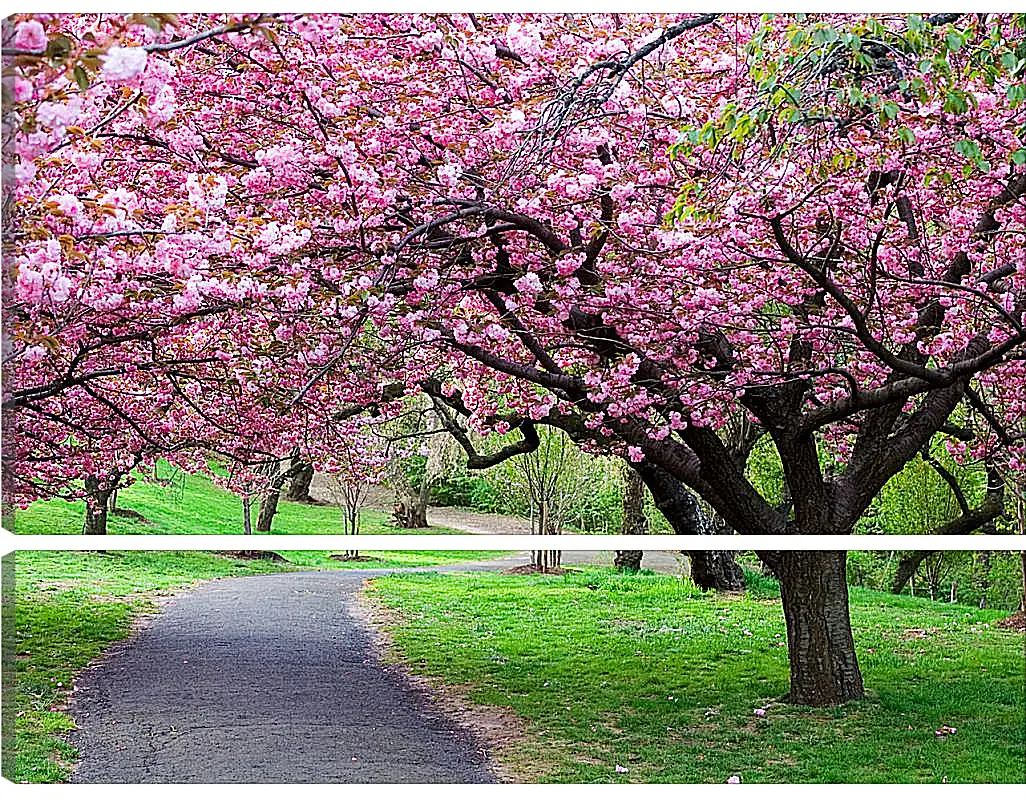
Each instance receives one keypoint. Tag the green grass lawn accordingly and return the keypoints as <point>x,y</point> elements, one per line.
<point>649,674</point>
<point>70,606</point>
<point>195,505</point>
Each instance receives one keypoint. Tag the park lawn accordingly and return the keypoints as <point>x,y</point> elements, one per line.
<point>70,606</point>
<point>647,673</point>
<point>195,505</point>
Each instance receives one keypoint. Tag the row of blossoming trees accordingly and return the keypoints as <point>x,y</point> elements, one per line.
<point>670,236</point>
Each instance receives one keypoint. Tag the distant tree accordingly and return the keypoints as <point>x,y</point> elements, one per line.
<point>635,522</point>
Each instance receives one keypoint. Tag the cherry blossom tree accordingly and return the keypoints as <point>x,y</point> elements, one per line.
<point>633,228</point>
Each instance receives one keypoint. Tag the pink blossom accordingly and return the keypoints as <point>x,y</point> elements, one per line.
<point>29,35</point>
<point>529,283</point>
<point>123,63</point>
<point>21,89</point>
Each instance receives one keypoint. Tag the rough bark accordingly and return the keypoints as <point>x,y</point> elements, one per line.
<point>410,512</point>
<point>299,488</point>
<point>710,569</point>
<point>678,505</point>
<point>268,508</point>
<point>634,521</point>
<point>269,502</point>
<point>907,567</point>
<point>96,508</point>
<point>821,649</point>
<point>716,569</point>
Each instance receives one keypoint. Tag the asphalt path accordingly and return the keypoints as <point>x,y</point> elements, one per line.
<point>273,679</point>
<point>262,679</point>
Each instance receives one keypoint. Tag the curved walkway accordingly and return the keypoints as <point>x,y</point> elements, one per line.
<point>265,679</point>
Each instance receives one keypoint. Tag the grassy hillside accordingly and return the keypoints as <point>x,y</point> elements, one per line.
<point>193,505</point>
<point>647,673</point>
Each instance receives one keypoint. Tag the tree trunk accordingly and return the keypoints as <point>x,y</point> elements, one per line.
<point>299,488</point>
<point>984,564</point>
<point>96,508</point>
<point>907,567</point>
<point>1022,558</point>
<point>634,521</point>
<point>409,512</point>
<point>268,508</point>
<point>716,569</point>
<point>247,524</point>
<point>710,569</point>
<point>679,506</point>
<point>814,591</point>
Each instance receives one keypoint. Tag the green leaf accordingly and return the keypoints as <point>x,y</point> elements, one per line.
<point>58,48</point>
<point>955,102</point>
<point>81,77</point>
<point>824,35</point>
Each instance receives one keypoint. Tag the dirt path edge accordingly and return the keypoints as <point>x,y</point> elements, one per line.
<point>495,729</point>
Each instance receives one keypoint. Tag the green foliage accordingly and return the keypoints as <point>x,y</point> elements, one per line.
<point>765,472</point>
<point>828,72</point>
<point>475,492</point>
<point>589,489</point>
<point>918,500</point>
<point>991,578</point>
<point>645,672</point>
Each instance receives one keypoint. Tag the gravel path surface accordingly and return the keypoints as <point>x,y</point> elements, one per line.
<point>262,679</point>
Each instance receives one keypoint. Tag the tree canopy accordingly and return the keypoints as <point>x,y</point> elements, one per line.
<point>238,234</point>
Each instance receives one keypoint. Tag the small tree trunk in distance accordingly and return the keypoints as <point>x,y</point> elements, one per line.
<point>96,508</point>
<point>299,488</point>
<point>269,501</point>
<point>984,562</point>
<point>268,508</point>
<point>1022,558</point>
<point>410,510</point>
<point>634,520</point>
<point>716,569</point>
<point>112,501</point>
<point>821,649</point>
<point>247,524</point>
